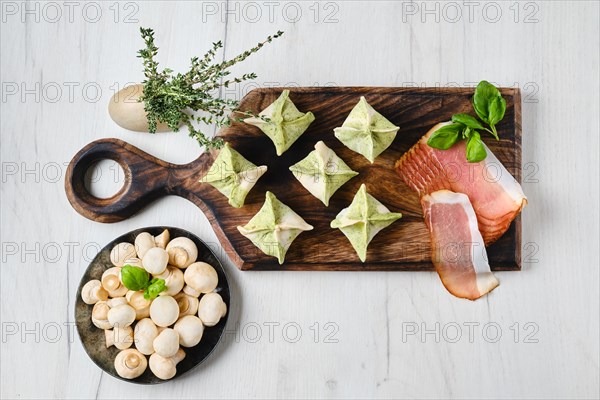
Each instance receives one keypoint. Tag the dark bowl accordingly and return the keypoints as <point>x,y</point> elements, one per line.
<point>93,338</point>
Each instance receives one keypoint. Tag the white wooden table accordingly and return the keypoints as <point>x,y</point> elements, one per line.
<point>308,335</point>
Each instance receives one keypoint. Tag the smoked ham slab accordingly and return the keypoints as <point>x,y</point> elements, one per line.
<point>496,196</point>
<point>457,249</point>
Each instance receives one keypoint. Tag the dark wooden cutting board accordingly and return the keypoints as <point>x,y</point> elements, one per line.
<point>405,245</point>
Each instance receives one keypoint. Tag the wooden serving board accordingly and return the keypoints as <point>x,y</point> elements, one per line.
<point>405,245</point>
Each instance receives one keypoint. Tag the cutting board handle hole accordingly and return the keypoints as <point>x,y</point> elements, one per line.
<point>104,178</point>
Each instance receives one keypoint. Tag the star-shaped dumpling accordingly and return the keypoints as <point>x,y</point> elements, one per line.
<point>366,131</point>
<point>322,172</point>
<point>233,175</point>
<point>274,228</point>
<point>362,220</point>
<point>285,122</point>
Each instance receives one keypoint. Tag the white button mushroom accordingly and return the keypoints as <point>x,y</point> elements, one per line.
<point>144,333</point>
<point>165,368</point>
<point>190,291</point>
<point>211,309</point>
<point>122,316</point>
<point>112,283</point>
<point>134,262</point>
<point>121,252</point>
<point>117,301</point>
<point>142,313</point>
<point>121,338</point>
<point>188,305</point>
<point>130,364</point>
<point>201,277</point>
<point>166,343</point>
<point>164,311</point>
<point>162,239</point>
<point>144,242</point>
<point>155,260</point>
<point>137,300</point>
<point>190,330</point>
<point>173,277</point>
<point>93,292</point>
<point>139,304</point>
<point>100,315</point>
<point>182,252</point>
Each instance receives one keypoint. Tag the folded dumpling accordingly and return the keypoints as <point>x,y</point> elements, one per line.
<point>322,172</point>
<point>362,220</point>
<point>284,122</point>
<point>274,228</point>
<point>366,131</point>
<point>233,175</point>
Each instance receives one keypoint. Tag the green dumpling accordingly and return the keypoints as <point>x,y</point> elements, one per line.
<point>286,124</point>
<point>362,220</point>
<point>233,175</point>
<point>274,228</point>
<point>322,172</point>
<point>366,131</point>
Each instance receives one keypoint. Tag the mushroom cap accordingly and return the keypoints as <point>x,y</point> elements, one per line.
<point>121,338</point>
<point>121,252</point>
<point>116,301</point>
<point>188,305</point>
<point>134,262</point>
<point>190,291</point>
<point>190,330</point>
<point>137,300</point>
<point>93,292</point>
<point>162,239</point>
<point>100,315</point>
<point>130,364</point>
<point>173,277</point>
<point>211,309</point>
<point>201,277</point>
<point>182,252</point>
<point>142,313</point>
<point>162,367</point>
<point>166,343</point>
<point>155,260</point>
<point>164,311</point>
<point>111,281</point>
<point>143,242</point>
<point>122,315</point>
<point>144,333</point>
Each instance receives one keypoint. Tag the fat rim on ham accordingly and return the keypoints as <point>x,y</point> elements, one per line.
<point>458,250</point>
<point>496,196</point>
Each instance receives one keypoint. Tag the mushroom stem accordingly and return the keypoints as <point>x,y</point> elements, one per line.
<point>162,239</point>
<point>93,292</point>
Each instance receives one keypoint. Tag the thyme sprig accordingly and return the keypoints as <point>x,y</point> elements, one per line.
<point>173,98</point>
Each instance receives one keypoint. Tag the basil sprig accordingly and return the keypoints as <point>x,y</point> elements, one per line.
<point>490,106</point>
<point>136,278</point>
<point>154,288</point>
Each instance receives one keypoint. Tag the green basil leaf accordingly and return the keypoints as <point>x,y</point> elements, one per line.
<point>475,148</point>
<point>446,136</point>
<point>467,120</point>
<point>485,93</point>
<point>467,133</point>
<point>156,286</point>
<point>497,110</point>
<point>134,278</point>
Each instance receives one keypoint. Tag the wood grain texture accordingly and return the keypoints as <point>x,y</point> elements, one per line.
<point>403,246</point>
<point>553,59</point>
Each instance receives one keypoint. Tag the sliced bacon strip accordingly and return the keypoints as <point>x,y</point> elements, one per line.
<point>458,250</point>
<point>495,195</point>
